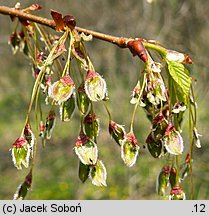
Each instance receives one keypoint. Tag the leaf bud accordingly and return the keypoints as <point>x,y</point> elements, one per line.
<point>69,21</point>
<point>178,57</point>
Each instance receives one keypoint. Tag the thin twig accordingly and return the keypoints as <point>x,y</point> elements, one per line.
<point>120,41</point>
<point>26,16</point>
<point>137,48</point>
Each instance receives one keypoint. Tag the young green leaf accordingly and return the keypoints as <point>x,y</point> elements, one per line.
<point>180,74</point>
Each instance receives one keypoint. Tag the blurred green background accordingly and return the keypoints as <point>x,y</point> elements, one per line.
<point>181,25</point>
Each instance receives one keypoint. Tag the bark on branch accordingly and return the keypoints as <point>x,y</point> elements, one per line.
<point>120,41</point>
<point>135,45</point>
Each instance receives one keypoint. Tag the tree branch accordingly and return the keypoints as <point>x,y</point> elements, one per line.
<point>120,41</point>
<point>135,45</point>
<point>26,16</point>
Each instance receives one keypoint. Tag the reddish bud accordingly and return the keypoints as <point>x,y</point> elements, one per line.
<point>130,137</point>
<point>188,59</point>
<point>137,48</point>
<point>166,169</point>
<point>69,21</point>
<point>91,74</point>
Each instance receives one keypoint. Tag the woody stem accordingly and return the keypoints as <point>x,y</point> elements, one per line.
<point>122,42</point>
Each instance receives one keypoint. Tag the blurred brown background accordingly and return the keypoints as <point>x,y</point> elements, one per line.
<point>182,25</point>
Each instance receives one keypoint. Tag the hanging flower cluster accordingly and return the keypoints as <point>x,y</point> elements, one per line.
<point>163,90</point>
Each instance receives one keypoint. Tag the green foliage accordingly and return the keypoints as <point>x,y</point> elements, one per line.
<point>182,80</point>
